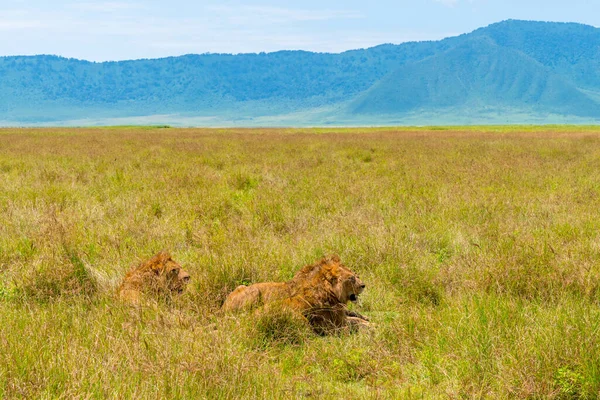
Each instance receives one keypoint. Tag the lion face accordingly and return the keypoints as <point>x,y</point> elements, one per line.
<point>346,284</point>
<point>170,272</point>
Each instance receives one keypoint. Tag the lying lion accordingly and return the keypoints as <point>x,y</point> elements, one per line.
<point>319,292</point>
<point>160,276</point>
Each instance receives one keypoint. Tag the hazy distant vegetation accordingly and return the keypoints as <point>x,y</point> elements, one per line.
<point>516,68</point>
<point>479,248</point>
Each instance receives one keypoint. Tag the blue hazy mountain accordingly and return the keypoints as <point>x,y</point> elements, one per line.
<point>519,71</point>
<point>571,50</point>
<point>476,73</point>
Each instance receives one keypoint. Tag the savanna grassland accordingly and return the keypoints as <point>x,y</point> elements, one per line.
<point>480,249</point>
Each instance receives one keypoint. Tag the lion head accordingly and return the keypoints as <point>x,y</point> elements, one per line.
<point>160,275</point>
<point>174,277</point>
<point>334,278</point>
<point>347,286</point>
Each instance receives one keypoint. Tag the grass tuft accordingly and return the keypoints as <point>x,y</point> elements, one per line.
<point>279,326</point>
<point>66,278</point>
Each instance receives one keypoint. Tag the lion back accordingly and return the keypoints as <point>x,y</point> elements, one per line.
<point>244,297</point>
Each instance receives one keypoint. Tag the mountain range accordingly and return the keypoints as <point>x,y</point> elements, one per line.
<point>508,72</point>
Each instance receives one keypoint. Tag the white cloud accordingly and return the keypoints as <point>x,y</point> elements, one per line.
<point>259,14</point>
<point>452,3</point>
<point>106,6</point>
<point>447,3</point>
<point>16,20</point>
<point>16,24</point>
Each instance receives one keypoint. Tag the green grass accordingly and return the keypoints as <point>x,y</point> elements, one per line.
<point>479,248</point>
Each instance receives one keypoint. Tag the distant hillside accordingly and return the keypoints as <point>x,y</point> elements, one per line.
<point>521,71</point>
<point>476,73</point>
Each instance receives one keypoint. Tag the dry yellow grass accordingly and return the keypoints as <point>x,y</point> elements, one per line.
<point>479,248</point>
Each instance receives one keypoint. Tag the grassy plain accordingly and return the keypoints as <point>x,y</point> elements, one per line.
<point>480,248</point>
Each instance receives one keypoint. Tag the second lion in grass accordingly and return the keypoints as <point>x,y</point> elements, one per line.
<point>158,278</point>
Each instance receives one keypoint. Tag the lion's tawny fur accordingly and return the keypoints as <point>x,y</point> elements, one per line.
<point>319,292</point>
<point>159,276</point>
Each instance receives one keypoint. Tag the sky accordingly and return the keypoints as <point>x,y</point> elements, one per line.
<point>132,29</point>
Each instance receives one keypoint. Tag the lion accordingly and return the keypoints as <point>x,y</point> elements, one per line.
<point>319,292</point>
<point>159,276</point>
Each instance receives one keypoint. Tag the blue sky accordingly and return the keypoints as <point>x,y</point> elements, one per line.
<point>131,29</point>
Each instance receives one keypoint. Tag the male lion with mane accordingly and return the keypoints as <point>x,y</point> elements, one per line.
<point>160,276</point>
<point>319,292</point>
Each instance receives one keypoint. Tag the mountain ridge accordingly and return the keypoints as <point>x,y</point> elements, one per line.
<point>540,69</point>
